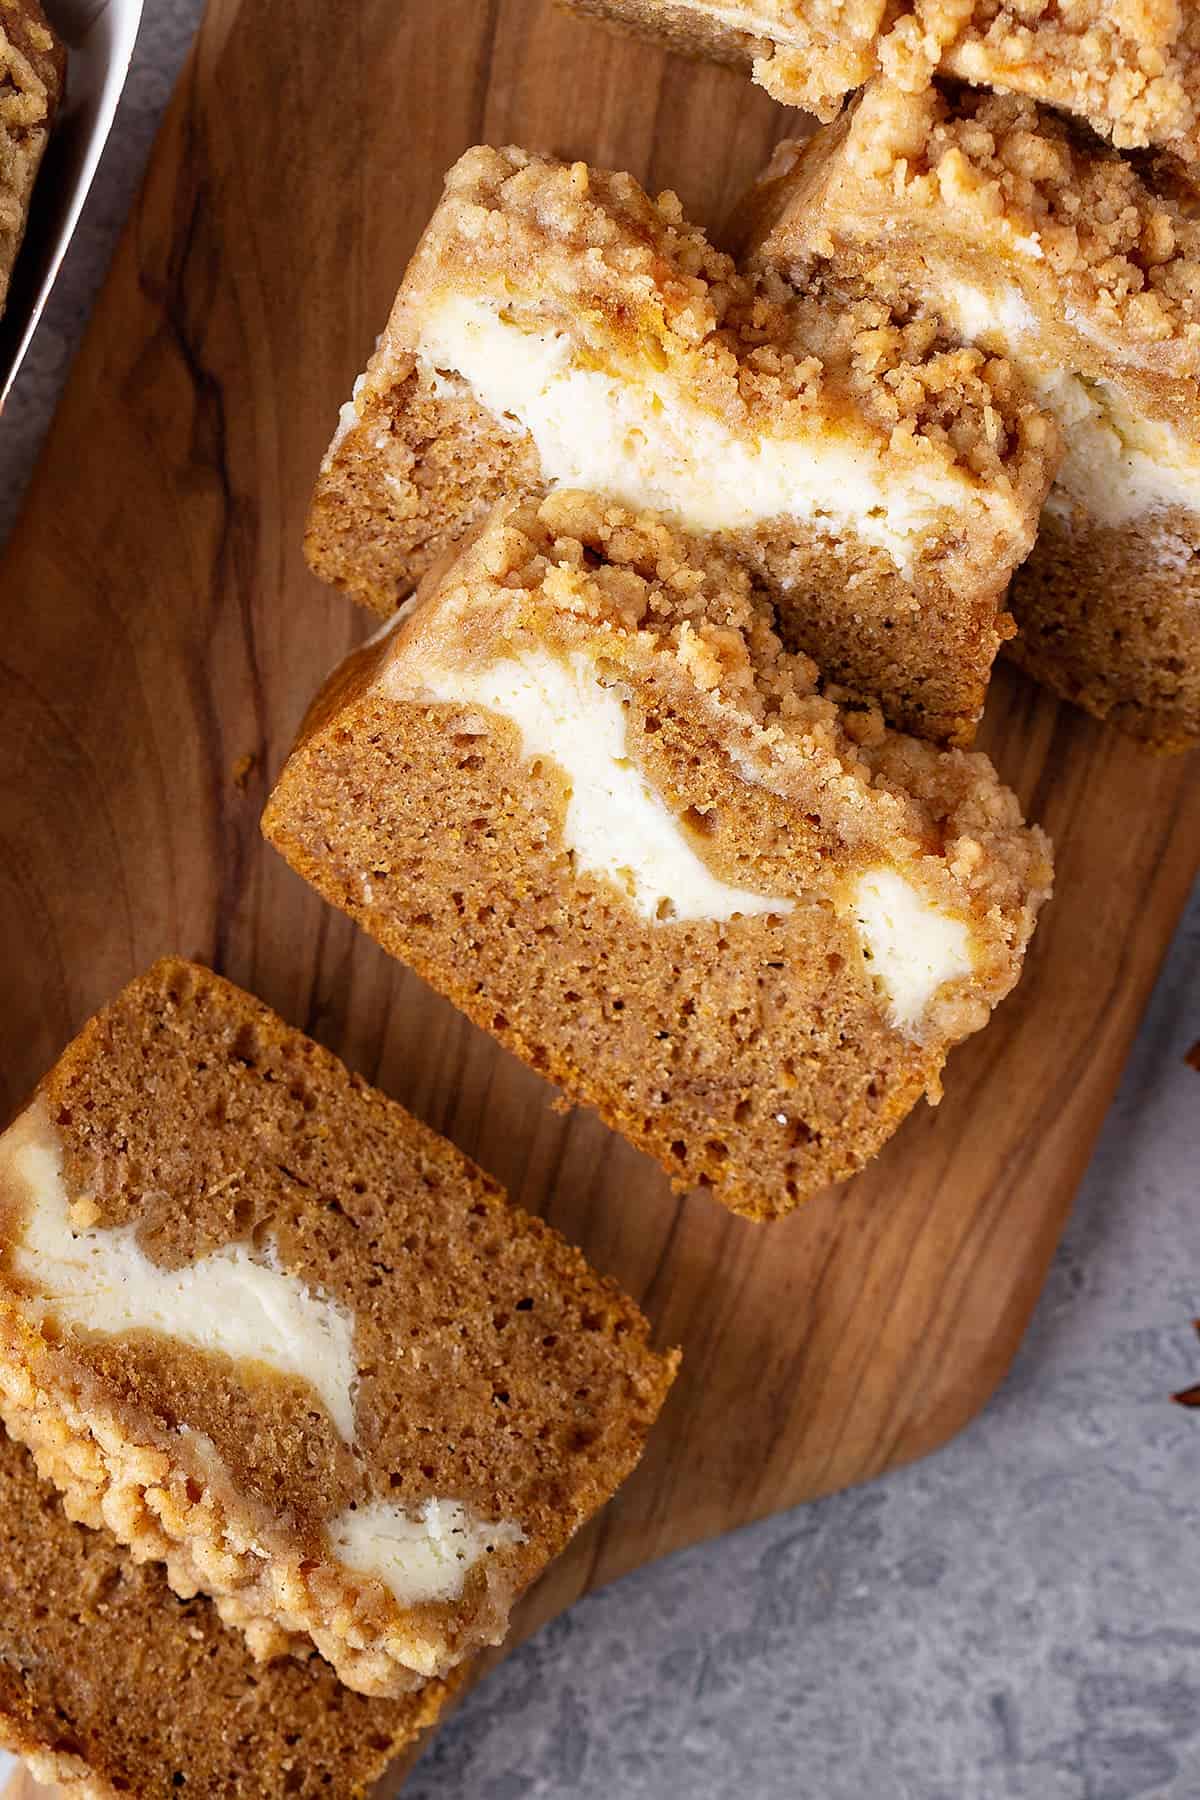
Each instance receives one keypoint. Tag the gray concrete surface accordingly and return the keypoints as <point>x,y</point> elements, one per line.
<point>1016,1619</point>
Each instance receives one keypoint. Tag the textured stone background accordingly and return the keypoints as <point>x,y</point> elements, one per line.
<point>1017,1619</point>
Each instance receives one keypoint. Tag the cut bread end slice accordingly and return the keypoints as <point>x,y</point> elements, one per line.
<point>277,1335</point>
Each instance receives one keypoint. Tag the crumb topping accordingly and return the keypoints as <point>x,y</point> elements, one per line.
<point>747,345</point>
<point>613,569</point>
<point>1131,67</point>
<point>1092,215</point>
<point>822,49</point>
<point>27,83</point>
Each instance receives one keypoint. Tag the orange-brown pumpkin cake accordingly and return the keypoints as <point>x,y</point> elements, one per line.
<point>583,790</point>
<point>268,1328</point>
<point>1130,68</point>
<point>558,328</point>
<point>1031,239</point>
<point>115,1689</point>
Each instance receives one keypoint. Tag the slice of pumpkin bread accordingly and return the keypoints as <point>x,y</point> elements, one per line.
<point>1025,236</point>
<point>584,791</point>
<point>270,1329</point>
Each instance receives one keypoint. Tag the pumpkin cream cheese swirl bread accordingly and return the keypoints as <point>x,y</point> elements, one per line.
<point>1026,236</point>
<point>581,787</point>
<point>114,1689</point>
<point>272,1331</point>
<point>32,69</point>
<point>1130,68</point>
<point>557,328</point>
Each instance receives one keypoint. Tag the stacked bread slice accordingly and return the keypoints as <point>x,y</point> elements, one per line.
<point>584,789</point>
<point>1025,236</point>
<point>697,573</point>
<point>558,328</point>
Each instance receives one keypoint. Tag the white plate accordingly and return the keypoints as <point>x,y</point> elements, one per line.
<point>99,36</point>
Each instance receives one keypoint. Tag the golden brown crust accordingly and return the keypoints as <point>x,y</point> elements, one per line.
<point>635,287</point>
<point>752,1055</point>
<point>475,1331</point>
<point>32,68</point>
<point>111,1686</point>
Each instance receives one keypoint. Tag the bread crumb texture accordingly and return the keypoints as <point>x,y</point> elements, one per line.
<point>110,1685</point>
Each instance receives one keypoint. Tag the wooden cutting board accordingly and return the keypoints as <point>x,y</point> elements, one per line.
<point>163,636</point>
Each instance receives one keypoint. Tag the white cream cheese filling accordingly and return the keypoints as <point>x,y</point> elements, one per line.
<point>1002,314</point>
<point>1119,464</point>
<point>99,1280</point>
<point>234,1301</point>
<point>645,444</point>
<point>616,824</point>
<point>423,1556</point>
<point>913,947</point>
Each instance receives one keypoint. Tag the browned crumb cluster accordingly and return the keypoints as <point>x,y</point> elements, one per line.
<point>1132,71</point>
<point>32,64</point>
<point>636,288</point>
<point>494,1368</point>
<point>976,166</point>
<point>111,1686</point>
<point>751,1055</point>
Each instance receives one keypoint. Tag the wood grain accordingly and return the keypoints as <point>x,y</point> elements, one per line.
<point>163,637</point>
